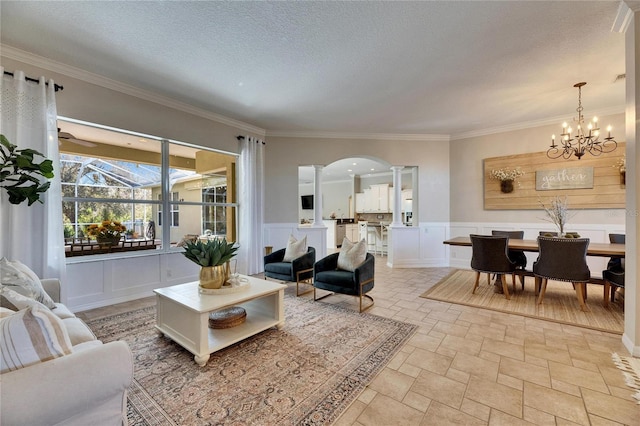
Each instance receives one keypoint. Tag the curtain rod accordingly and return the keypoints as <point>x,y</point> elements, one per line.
<point>56,87</point>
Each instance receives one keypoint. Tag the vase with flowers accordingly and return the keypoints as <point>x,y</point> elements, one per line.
<point>107,232</point>
<point>213,256</point>
<point>558,214</point>
<point>506,177</point>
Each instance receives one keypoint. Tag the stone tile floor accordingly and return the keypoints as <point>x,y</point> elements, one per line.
<point>466,365</point>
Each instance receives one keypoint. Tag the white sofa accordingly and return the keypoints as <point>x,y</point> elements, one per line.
<point>86,387</point>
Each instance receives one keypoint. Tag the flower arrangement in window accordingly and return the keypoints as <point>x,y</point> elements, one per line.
<point>106,230</point>
<point>506,177</point>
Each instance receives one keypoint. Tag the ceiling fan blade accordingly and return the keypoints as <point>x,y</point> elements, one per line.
<point>69,137</point>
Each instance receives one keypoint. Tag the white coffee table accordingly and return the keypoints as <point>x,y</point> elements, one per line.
<point>183,315</point>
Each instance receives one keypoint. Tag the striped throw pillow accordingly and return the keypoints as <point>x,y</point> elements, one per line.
<point>30,336</point>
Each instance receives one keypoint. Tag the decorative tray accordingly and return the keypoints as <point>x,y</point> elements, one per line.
<point>232,286</point>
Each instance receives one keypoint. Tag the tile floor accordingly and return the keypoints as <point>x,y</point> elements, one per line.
<point>470,366</point>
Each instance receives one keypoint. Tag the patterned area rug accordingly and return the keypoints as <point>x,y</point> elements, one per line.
<point>631,370</point>
<point>560,303</point>
<point>306,373</point>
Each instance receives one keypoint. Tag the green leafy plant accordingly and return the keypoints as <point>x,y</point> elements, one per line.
<point>20,175</point>
<point>213,252</point>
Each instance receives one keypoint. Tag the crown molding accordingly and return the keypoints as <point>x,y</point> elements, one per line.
<point>98,80</point>
<point>369,136</point>
<point>531,124</point>
<point>623,17</point>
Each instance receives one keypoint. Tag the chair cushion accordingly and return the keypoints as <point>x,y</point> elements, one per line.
<point>23,280</point>
<point>31,336</point>
<point>295,248</point>
<point>352,255</point>
<point>336,278</point>
<point>280,268</point>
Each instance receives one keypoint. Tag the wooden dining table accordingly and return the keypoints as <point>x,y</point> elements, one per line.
<point>594,249</point>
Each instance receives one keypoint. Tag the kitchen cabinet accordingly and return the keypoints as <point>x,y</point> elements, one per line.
<point>341,232</point>
<point>360,202</point>
<point>375,199</point>
<point>352,232</point>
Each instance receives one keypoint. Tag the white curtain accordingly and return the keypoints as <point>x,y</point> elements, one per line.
<point>251,205</point>
<point>32,234</point>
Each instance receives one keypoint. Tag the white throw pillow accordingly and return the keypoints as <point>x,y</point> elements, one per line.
<point>295,248</point>
<point>31,336</point>
<point>352,255</point>
<point>23,280</point>
<point>5,312</point>
<point>15,301</point>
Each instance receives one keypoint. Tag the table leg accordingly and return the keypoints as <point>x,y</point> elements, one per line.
<point>201,360</point>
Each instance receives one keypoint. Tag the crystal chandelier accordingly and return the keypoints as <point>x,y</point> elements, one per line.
<point>583,140</point>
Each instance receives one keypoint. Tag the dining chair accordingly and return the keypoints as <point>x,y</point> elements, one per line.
<point>368,234</point>
<point>489,254</point>
<point>563,259</point>
<point>517,256</point>
<point>613,276</point>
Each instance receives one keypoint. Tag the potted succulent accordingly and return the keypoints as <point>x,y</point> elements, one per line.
<point>20,175</point>
<point>213,256</point>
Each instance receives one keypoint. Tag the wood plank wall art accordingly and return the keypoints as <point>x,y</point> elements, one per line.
<point>589,183</point>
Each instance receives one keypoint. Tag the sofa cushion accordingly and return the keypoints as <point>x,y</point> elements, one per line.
<point>295,248</point>
<point>78,331</point>
<point>31,336</point>
<point>62,311</point>
<point>15,301</point>
<point>336,278</point>
<point>352,255</point>
<point>5,312</point>
<point>86,345</point>
<point>23,280</point>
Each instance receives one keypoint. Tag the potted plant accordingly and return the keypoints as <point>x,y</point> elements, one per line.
<point>20,175</point>
<point>107,232</point>
<point>213,257</point>
<point>506,178</point>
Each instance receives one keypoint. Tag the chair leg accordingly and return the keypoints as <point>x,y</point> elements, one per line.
<point>513,281</point>
<point>543,289</point>
<point>368,297</point>
<point>475,286</point>
<point>580,289</point>
<point>607,290</point>
<point>308,281</point>
<point>505,287</point>
<point>489,279</point>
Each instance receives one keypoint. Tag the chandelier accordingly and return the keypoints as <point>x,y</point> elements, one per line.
<point>583,139</point>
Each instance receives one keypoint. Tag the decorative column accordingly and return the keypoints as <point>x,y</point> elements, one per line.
<point>397,195</point>
<point>317,196</point>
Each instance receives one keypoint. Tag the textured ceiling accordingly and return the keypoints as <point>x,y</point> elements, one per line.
<point>347,67</point>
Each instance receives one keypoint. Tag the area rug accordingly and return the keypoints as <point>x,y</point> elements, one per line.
<point>631,370</point>
<point>560,303</point>
<point>306,373</point>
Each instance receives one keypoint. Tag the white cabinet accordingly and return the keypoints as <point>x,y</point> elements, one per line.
<point>360,202</point>
<point>351,232</point>
<point>375,199</point>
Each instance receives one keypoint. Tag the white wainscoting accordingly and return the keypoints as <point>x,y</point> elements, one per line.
<point>93,283</point>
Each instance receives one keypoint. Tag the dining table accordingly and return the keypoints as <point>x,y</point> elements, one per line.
<point>594,249</point>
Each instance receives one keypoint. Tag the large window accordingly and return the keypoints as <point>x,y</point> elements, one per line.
<point>118,176</point>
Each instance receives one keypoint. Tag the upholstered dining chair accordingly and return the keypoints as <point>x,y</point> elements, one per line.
<point>563,259</point>
<point>517,256</point>
<point>327,276</point>
<point>613,276</point>
<point>299,270</point>
<point>489,254</point>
